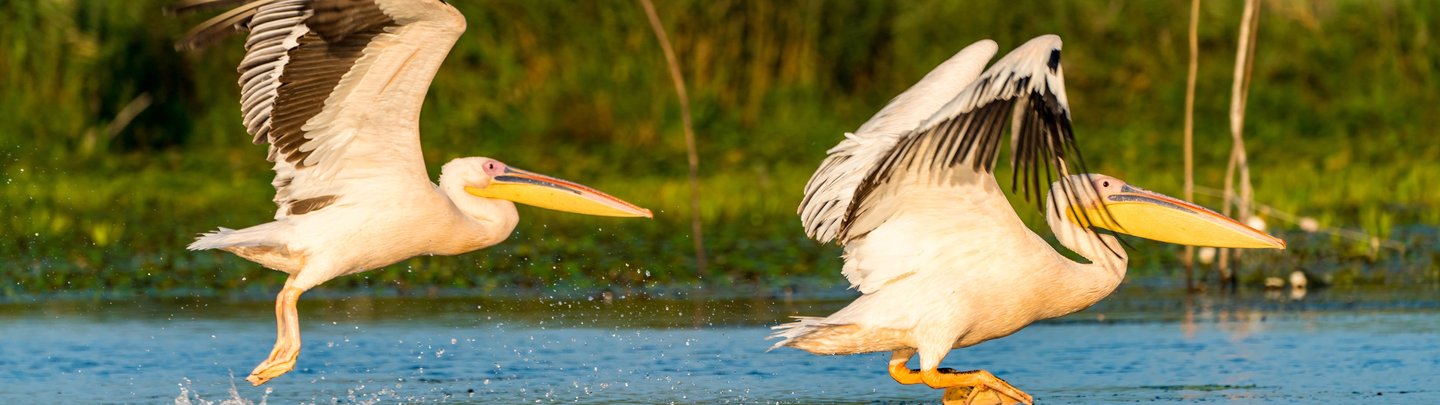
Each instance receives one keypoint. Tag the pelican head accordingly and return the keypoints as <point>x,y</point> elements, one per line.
<point>1131,210</point>
<point>489,178</point>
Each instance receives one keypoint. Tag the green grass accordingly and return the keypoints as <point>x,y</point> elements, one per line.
<point>1340,128</point>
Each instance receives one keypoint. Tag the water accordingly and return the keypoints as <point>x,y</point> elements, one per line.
<point>1137,347</point>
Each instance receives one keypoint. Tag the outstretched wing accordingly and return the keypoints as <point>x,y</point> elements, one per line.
<point>831,189</point>
<point>335,87</point>
<point>941,168</point>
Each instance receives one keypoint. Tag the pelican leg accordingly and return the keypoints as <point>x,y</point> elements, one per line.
<point>287,337</point>
<point>974,387</point>
<point>899,372</point>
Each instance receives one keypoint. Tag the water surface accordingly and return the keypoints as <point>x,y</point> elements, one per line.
<point>1138,346</point>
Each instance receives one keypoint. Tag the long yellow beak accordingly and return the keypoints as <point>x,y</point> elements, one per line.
<point>1152,215</point>
<point>551,193</point>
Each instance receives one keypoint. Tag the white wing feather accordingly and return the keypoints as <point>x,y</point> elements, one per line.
<point>829,191</point>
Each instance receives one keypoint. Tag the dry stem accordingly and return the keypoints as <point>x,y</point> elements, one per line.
<point>695,224</point>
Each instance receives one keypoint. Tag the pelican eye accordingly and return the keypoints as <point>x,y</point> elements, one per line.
<point>494,168</point>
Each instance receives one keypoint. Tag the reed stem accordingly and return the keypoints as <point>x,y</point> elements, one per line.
<point>696,227</point>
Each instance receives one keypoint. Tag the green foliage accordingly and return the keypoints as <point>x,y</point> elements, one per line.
<point>1340,127</point>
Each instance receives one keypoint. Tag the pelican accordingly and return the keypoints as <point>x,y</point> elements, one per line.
<point>335,88</point>
<point>940,257</point>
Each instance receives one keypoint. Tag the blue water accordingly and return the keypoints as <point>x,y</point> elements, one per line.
<point>1137,347</point>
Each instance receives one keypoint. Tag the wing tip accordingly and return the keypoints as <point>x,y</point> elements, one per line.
<point>215,28</point>
<point>984,44</point>
<point>1051,42</point>
<point>1049,39</point>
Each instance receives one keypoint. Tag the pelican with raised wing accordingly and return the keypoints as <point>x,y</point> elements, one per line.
<point>939,255</point>
<point>335,87</point>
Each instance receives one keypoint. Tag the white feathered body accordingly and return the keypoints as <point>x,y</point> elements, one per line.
<point>387,224</point>
<point>956,267</point>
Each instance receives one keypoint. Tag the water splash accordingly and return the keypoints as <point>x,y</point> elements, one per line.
<point>188,396</point>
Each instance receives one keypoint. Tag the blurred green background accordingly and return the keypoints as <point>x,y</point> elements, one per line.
<point>1341,128</point>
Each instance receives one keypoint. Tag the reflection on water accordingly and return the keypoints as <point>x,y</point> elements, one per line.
<point>1137,346</point>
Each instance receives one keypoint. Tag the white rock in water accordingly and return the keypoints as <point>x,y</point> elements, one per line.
<point>1297,280</point>
<point>1205,255</point>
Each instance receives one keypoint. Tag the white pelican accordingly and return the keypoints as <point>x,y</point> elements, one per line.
<point>335,87</point>
<point>939,255</point>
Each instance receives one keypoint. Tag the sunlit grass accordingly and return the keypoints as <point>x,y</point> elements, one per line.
<point>1338,131</point>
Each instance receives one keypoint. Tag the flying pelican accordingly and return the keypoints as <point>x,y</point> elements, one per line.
<point>335,87</point>
<point>939,255</point>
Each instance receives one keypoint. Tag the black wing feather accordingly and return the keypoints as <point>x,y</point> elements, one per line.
<point>1027,85</point>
